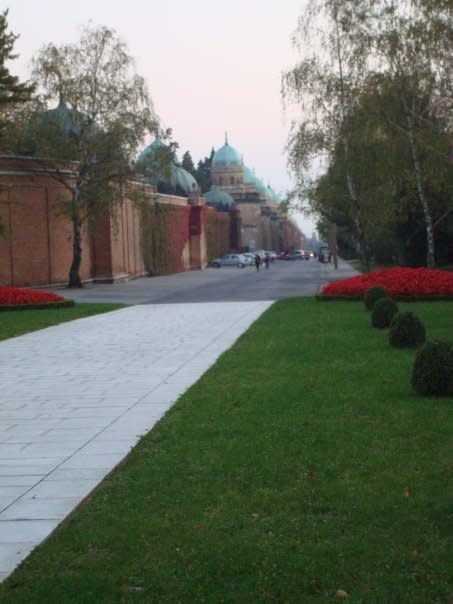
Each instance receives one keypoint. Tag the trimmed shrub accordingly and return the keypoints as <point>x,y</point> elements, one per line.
<point>406,331</point>
<point>432,373</point>
<point>373,294</point>
<point>383,312</point>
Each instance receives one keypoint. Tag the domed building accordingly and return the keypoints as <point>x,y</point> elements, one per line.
<point>159,169</point>
<point>258,204</point>
<point>156,164</point>
<point>219,199</point>
<point>227,167</point>
<point>69,121</point>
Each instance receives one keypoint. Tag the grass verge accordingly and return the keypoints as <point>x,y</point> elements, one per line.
<point>300,464</point>
<point>17,323</point>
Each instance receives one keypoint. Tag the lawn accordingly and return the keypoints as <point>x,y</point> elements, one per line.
<point>300,464</point>
<point>16,323</point>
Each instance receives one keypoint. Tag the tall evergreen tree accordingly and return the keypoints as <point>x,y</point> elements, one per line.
<point>12,91</point>
<point>187,164</point>
<point>203,172</point>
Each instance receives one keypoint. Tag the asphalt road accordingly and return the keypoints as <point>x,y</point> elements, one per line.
<point>284,279</point>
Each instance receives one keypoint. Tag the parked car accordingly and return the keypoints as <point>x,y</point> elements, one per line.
<point>230,260</point>
<point>250,257</point>
<point>296,255</point>
<point>283,256</point>
<point>272,255</point>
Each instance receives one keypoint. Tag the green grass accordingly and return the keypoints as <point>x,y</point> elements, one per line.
<point>300,464</point>
<point>17,323</point>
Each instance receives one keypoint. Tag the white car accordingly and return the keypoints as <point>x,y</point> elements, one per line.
<point>249,257</point>
<point>230,260</point>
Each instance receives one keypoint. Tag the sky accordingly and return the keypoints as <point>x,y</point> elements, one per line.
<point>211,67</point>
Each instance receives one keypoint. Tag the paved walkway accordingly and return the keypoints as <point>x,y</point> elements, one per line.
<point>76,397</point>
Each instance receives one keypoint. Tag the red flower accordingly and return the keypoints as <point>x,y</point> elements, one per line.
<point>397,281</point>
<point>14,296</point>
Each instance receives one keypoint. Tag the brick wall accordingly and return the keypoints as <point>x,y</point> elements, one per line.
<point>156,238</point>
<point>217,233</point>
<point>38,248</point>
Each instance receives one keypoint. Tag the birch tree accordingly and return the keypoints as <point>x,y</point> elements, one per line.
<point>89,142</point>
<point>413,41</point>
<point>332,39</point>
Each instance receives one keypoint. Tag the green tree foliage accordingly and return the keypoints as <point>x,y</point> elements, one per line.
<point>187,164</point>
<point>325,84</point>
<point>103,115</point>
<point>374,89</point>
<point>412,39</point>
<point>12,91</point>
<point>203,173</point>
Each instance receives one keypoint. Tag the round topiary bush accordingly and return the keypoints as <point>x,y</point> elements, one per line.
<point>373,294</point>
<point>432,373</point>
<point>383,312</point>
<point>406,331</point>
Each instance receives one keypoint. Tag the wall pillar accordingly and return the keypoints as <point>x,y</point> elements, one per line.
<point>197,242</point>
<point>235,230</point>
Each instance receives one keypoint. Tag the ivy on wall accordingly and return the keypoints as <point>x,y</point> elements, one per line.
<point>165,233</point>
<point>217,230</point>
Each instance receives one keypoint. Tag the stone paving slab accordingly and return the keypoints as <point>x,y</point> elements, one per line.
<point>76,397</point>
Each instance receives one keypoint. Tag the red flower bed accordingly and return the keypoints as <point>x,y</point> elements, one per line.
<point>405,282</point>
<point>15,296</point>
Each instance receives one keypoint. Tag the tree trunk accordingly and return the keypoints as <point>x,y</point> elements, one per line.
<point>360,235</point>
<point>360,240</point>
<point>430,255</point>
<point>333,243</point>
<point>74,277</point>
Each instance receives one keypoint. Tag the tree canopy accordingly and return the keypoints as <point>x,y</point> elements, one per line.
<point>12,91</point>
<point>103,113</point>
<point>374,89</point>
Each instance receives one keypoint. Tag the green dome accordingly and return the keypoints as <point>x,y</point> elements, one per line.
<point>219,198</point>
<point>249,177</point>
<point>226,155</point>
<point>177,178</point>
<point>272,194</point>
<point>260,186</point>
<point>70,121</point>
<point>148,153</point>
<point>183,179</point>
<point>148,162</point>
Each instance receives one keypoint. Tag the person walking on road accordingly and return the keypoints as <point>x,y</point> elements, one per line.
<point>267,260</point>
<point>257,261</point>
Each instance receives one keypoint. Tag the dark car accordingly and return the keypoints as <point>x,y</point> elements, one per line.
<point>324,254</point>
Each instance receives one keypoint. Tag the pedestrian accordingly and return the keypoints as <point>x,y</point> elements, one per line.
<point>266,260</point>
<point>257,261</point>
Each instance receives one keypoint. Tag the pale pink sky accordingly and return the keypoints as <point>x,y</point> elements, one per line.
<point>210,66</point>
